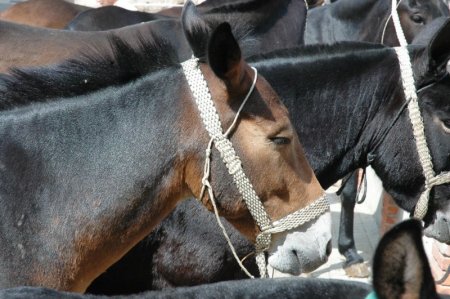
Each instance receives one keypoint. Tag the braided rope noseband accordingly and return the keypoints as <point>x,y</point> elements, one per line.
<point>406,71</point>
<point>208,113</point>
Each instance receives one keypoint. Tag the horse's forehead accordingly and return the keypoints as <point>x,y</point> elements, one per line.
<point>268,105</point>
<point>437,96</point>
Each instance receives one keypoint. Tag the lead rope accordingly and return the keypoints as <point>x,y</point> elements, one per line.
<point>431,179</point>
<point>211,120</point>
<point>393,9</point>
<point>399,30</point>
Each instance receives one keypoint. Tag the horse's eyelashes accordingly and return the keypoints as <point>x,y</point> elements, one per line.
<point>416,18</point>
<point>446,125</point>
<point>280,140</point>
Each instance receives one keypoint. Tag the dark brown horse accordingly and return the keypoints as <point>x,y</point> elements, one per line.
<point>42,13</point>
<point>88,171</point>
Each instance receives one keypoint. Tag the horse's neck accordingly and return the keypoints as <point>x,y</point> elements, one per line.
<point>111,158</point>
<point>347,20</point>
<point>332,109</point>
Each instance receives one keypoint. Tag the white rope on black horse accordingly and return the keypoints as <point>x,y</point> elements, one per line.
<point>409,87</point>
<point>211,120</point>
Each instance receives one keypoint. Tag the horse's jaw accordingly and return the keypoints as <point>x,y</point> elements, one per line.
<point>302,249</point>
<point>437,220</point>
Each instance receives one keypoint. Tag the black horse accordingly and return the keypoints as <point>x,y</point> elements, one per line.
<point>401,270</point>
<point>341,115</point>
<point>365,20</point>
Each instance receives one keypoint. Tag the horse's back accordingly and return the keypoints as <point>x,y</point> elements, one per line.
<point>250,288</point>
<point>23,45</point>
<point>109,17</point>
<point>42,13</point>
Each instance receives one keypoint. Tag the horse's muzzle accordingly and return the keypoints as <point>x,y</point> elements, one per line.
<point>303,249</point>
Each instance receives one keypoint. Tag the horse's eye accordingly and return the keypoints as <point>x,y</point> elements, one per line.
<point>446,125</point>
<point>280,140</point>
<point>417,19</point>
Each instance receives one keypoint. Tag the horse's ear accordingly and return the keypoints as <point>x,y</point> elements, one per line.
<point>224,56</point>
<point>400,266</point>
<point>195,29</point>
<point>439,48</point>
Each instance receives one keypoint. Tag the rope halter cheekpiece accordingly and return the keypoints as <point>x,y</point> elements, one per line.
<point>409,88</point>
<point>208,113</point>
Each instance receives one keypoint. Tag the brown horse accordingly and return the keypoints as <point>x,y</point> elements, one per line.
<point>88,171</point>
<point>42,13</point>
<point>23,45</point>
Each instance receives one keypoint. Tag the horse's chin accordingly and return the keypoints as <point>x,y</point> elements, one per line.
<point>438,228</point>
<point>303,249</point>
<point>437,221</point>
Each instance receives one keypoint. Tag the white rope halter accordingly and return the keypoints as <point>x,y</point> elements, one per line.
<point>208,113</point>
<point>409,88</point>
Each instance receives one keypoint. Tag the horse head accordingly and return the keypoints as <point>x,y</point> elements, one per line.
<point>266,142</point>
<point>433,87</point>
<point>414,16</point>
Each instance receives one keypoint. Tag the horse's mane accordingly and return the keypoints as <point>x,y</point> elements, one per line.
<point>113,63</point>
<point>318,50</point>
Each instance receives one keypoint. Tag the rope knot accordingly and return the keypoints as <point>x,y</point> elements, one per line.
<point>442,178</point>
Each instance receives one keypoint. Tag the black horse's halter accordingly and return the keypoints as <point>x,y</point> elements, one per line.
<point>371,155</point>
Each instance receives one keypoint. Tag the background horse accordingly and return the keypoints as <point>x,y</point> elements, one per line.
<point>264,26</point>
<point>42,13</point>
<point>365,20</point>
<point>106,18</point>
<point>344,120</point>
<point>88,171</point>
<point>109,17</point>
<point>401,270</point>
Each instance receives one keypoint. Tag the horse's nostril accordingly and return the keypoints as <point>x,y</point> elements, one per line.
<point>329,248</point>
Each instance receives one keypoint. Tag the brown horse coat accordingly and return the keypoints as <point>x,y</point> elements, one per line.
<point>42,13</point>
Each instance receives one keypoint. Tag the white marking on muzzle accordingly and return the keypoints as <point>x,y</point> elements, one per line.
<point>302,249</point>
